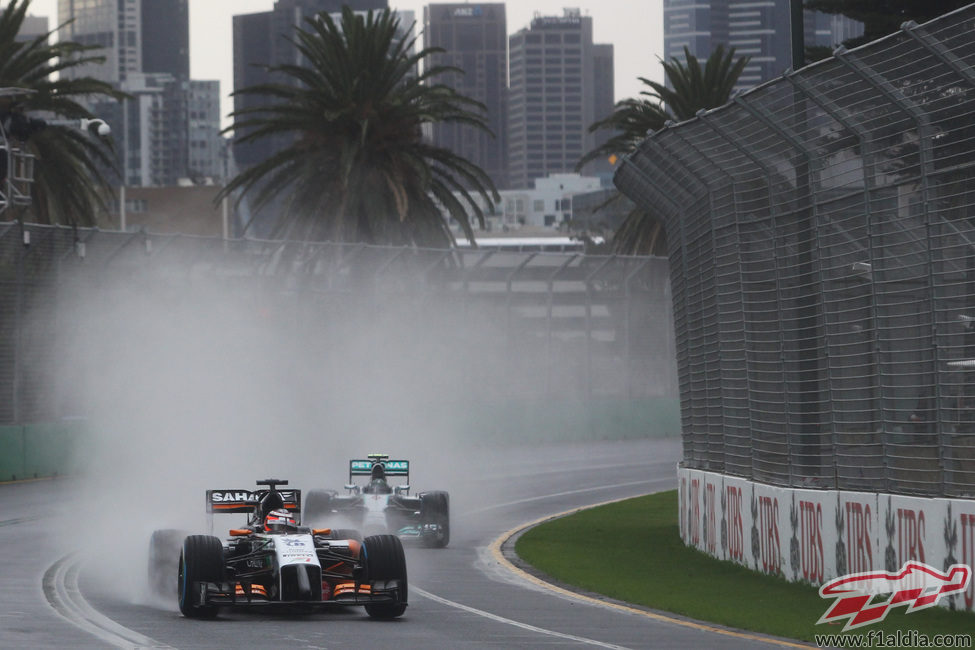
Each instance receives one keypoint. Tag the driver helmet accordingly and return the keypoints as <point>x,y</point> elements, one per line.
<point>280,521</point>
<point>378,472</point>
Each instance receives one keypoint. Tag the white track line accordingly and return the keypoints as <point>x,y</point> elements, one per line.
<point>499,557</point>
<point>508,621</point>
<point>568,492</point>
<point>63,594</point>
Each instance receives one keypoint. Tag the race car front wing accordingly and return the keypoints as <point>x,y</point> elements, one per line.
<point>343,594</point>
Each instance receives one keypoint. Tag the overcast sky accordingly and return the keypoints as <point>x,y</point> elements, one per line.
<point>632,26</point>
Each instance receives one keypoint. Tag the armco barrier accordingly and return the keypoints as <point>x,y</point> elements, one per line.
<point>39,450</point>
<point>813,536</point>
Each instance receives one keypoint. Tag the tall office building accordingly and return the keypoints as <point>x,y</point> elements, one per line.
<point>166,37</point>
<point>475,39</point>
<point>114,26</point>
<point>146,48</point>
<point>135,36</point>
<point>760,29</point>
<point>554,95</point>
<point>262,39</point>
<point>33,27</point>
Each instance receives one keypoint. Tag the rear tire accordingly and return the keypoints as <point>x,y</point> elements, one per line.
<point>435,509</point>
<point>317,508</point>
<point>386,560</point>
<point>164,548</point>
<point>347,533</point>
<point>201,561</point>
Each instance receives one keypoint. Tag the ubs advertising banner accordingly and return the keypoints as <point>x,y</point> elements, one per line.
<point>814,536</point>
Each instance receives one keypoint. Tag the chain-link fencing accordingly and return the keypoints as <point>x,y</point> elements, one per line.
<point>567,328</point>
<point>820,231</point>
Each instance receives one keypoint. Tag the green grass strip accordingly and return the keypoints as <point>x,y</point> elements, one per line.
<point>631,551</point>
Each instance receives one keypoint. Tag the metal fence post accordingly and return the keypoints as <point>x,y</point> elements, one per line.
<point>769,176</point>
<point>925,158</point>
<point>588,281</point>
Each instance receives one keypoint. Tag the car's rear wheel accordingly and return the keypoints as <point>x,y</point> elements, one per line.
<point>317,508</point>
<point>386,561</point>
<point>346,533</point>
<point>164,549</point>
<point>201,561</point>
<point>435,519</point>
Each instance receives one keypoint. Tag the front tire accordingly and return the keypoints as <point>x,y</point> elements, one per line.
<point>435,509</point>
<point>201,561</point>
<point>386,560</point>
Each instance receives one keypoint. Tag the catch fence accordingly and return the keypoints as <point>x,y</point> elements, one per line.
<point>562,327</point>
<point>821,233</point>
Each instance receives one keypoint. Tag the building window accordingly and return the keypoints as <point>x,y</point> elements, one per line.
<point>538,205</point>
<point>136,206</point>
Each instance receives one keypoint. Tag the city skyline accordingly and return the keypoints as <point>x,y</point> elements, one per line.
<point>637,43</point>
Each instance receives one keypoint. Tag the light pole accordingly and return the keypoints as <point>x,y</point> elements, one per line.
<point>96,126</point>
<point>99,127</point>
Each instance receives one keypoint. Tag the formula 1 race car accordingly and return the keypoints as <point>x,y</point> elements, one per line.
<point>380,507</point>
<point>274,561</point>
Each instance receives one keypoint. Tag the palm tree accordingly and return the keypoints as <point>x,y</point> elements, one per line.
<point>357,168</point>
<point>692,88</point>
<point>69,185</point>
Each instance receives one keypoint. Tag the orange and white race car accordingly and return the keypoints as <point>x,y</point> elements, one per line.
<point>275,561</point>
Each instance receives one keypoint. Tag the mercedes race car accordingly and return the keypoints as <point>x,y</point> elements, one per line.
<point>274,561</point>
<point>379,507</point>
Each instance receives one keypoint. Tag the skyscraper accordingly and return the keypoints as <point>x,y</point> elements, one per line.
<point>166,37</point>
<point>146,48</point>
<point>475,39</point>
<point>759,29</point>
<point>554,95</point>
<point>264,39</point>
<point>114,26</point>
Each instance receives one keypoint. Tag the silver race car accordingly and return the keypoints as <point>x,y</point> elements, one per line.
<point>379,507</point>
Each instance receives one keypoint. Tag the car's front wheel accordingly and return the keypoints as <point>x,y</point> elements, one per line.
<point>386,562</point>
<point>200,561</point>
<point>435,519</point>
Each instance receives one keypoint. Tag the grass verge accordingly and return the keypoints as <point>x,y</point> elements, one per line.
<point>631,551</point>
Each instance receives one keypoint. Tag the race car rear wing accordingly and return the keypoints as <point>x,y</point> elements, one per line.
<point>231,501</point>
<point>392,467</point>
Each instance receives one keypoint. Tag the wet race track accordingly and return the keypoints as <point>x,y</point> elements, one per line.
<point>65,586</point>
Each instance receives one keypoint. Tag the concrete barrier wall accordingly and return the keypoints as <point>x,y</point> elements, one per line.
<point>39,450</point>
<point>813,536</point>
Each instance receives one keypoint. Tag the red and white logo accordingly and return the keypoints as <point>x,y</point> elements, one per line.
<point>916,585</point>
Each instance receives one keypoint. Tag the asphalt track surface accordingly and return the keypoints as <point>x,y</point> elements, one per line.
<point>60,592</point>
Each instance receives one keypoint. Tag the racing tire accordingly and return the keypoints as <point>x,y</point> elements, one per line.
<point>386,560</point>
<point>164,548</point>
<point>435,509</point>
<point>200,561</point>
<point>317,507</point>
<point>347,533</point>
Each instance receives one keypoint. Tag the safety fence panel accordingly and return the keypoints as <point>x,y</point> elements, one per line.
<point>564,327</point>
<point>820,231</point>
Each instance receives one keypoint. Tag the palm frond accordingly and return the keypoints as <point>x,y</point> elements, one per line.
<point>356,167</point>
<point>689,88</point>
